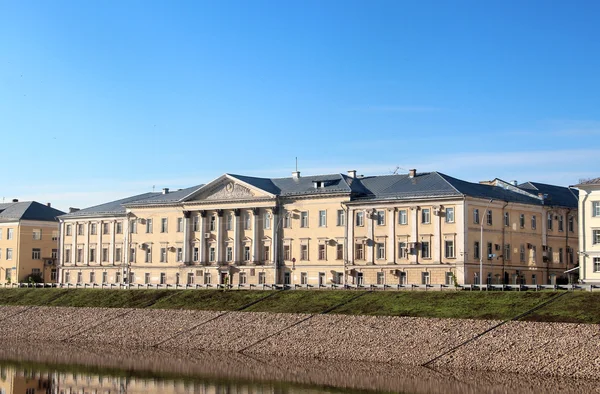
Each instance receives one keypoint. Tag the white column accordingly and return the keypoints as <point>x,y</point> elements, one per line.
<point>371,232</point>
<point>274,237</point>
<point>86,246</point>
<point>99,245</point>
<point>186,237</point>
<point>126,240</point>
<point>202,245</point>
<point>219,251</point>
<point>236,236</point>
<point>61,251</point>
<point>74,250</point>
<point>350,237</point>
<point>111,250</point>
<point>437,238</point>
<point>255,236</point>
<point>391,240</point>
<point>414,236</point>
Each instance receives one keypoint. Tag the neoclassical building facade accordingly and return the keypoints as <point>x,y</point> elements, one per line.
<point>589,229</point>
<point>415,228</point>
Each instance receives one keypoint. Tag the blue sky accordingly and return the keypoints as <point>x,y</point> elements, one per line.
<point>101,99</point>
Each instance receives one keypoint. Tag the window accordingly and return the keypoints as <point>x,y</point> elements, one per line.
<point>506,219</point>
<point>9,233</point>
<point>104,255</point>
<point>476,250</point>
<point>596,264</point>
<point>211,254</point>
<point>304,219</point>
<point>322,252</point>
<point>380,218</point>
<point>53,275</point>
<point>425,278</point>
<point>287,252</point>
<point>549,221</point>
<point>117,277</point>
<point>533,222</point>
<point>449,278</point>
<point>207,278</point>
<point>304,252</point>
<point>190,278</point>
<point>67,255</point>
<point>380,250</point>
<point>267,220</point>
<point>105,228</point>
<point>476,216</point>
<point>163,255</point>
<point>67,276</point>
<point>303,278</point>
<point>490,250</point>
<point>246,253</point>
<point>148,254</point>
<point>359,251</point>
<point>522,220</point>
<point>229,222</point>
<point>489,217</point>
<point>507,251</point>
<point>54,254</point>
<point>595,237</point>
<point>262,278</point>
<point>119,228</point>
<point>402,250</point>
<point>92,254</point>
<point>360,218</point>
<point>322,218</point>
<point>79,277</point>
<point>533,279</point>
<point>179,225</point>
<point>243,279</point>
<point>132,226</point>
<point>402,217</point>
<point>380,278</point>
<point>118,255</point>
<point>79,254</point>
<point>93,228</point>
<point>425,250</point>
<point>247,221</point>
<point>339,251</point>
<point>341,217</point>
<point>425,216</point>
<point>179,255</point>
<point>36,254</point>
<point>560,255</point>
<point>287,220</point>
<point>560,223</point>
<point>105,277</point>
<point>68,230</point>
<point>195,254</point>
<point>229,254</point>
<point>164,225</point>
<point>163,278</point>
<point>37,234</point>
<point>571,224</point>
<point>596,208</point>
<point>196,223</point>
<point>266,252</point>
<point>402,279</point>
<point>131,255</point>
<point>449,249</point>
<point>148,226</point>
<point>146,278</point>
<point>449,215</point>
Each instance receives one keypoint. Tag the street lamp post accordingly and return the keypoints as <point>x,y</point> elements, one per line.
<point>481,246</point>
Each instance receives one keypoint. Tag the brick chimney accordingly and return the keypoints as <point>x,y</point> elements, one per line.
<point>412,173</point>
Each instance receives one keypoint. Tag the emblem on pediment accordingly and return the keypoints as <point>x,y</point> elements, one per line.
<point>229,190</point>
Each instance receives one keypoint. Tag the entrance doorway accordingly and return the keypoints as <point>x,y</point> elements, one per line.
<point>223,278</point>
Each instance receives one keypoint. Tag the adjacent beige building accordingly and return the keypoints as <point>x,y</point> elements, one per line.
<point>28,241</point>
<point>589,228</point>
<point>415,228</point>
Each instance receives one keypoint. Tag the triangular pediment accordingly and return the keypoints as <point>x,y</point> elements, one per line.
<point>227,188</point>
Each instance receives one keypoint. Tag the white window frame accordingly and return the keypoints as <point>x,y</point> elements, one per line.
<point>304,219</point>
<point>341,217</point>
<point>403,217</point>
<point>425,216</point>
<point>449,215</point>
<point>380,215</point>
<point>360,218</point>
<point>322,218</point>
<point>596,208</point>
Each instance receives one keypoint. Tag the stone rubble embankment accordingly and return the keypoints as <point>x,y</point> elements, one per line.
<point>557,349</point>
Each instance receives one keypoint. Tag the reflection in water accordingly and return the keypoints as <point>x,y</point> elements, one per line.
<point>27,368</point>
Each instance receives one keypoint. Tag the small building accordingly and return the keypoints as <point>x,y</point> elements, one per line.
<point>28,241</point>
<point>589,230</point>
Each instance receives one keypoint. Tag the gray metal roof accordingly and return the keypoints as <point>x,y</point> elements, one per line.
<point>401,186</point>
<point>556,195</point>
<point>110,208</point>
<point>332,183</point>
<point>167,198</point>
<point>28,210</point>
<point>591,181</point>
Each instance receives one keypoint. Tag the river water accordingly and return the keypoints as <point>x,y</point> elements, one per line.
<point>31,369</point>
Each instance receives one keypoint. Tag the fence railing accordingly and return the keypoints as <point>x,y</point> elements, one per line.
<point>398,287</point>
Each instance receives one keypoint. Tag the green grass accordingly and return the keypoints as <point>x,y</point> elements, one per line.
<point>580,307</point>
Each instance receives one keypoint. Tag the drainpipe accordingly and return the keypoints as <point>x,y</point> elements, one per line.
<point>567,245</point>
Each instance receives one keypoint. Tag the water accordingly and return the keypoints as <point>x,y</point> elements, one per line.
<point>32,369</point>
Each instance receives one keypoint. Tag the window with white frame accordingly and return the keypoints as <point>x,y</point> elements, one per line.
<point>359,251</point>
<point>92,254</point>
<point>522,253</point>
<point>561,258</point>
<point>402,216</point>
<point>449,248</point>
<point>147,278</point>
<point>243,279</point>
<point>196,223</point>
<point>402,250</point>
<point>476,216</point>
<point>266,252</point>
<point>425,216</point>
<point>380,217</point>
<point>360,218</point>
<point>381,250</point>
<point>37,234</point>
<point>148,258</point>
<point>105,277</point>
<point>67,255</point>
<point>163,255</point>
<point>304,219</point>
<point>179,225</point>
<point>425,278</point>
<point>303,278</point>
<point>549,220</point>
<point>132,227</point>
<point>119,228</point>
<point>322,252</point>
<point>195,254</point>
<point>163,278</point>
<point>560,223</point>
<point>229,254</point>
<point>506,219</point>
<point>533,222</point>
<point>267,220</point>
<point>104,255</point>
<point>179,255</point>
<point>229,222</point>
<point>68,230</point>
<point>190,278</point>
<point>425,252</point>
<point>54,254</point>
<point>105,228</point>
<point>36,254</point>
<point>247,221</point>
<point>9,233</point>
<point>118,255</point>
<point>207,278</point>
<point>262,278</point>
<point>287,252</point>
<point>322,218</point>
<point>595,237</point>
<point>246,253</point>
<point>93,228</point>
<point>571,224</point>
<point>341,217</point>
<point>304,252</point>
<point>79,254</point>
<point>287,220</point>
<point>596,208</point>
<point>476,250</point>
<point>596,264</point>
<point>449,215</point>
<point>79,277</point>
<point>339,251</point>
<point>381,278</point>
<point>211,254</point>
<point>164,225</point>
<point>489,217</point>
<point>522,220</point>
<point>507,252</point>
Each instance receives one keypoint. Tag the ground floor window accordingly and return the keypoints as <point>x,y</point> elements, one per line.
<point>146,278</point>
<point>449,278</point>
<point>359,278</point>
<point>425,278</point>
<point>380,278</point>
<point>190,278</point>
<point>207,278</point>
<point>303,278</point>
<point>53,275</point>
<point>261,278</point>
<point>596,264</point>
<point>322,279</point>
<point>104,277</point>
<point>402,278</point>
<point>243,280</point>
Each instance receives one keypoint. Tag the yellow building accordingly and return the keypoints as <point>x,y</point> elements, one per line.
<point>28,241</point>
<point>416,228</point>
<point>589,228</point>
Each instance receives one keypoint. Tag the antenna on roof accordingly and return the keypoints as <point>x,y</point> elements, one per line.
<point>395,171</point>
<point>296,163</point>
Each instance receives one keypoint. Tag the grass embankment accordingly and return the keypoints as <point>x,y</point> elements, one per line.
<point>581,307</point>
